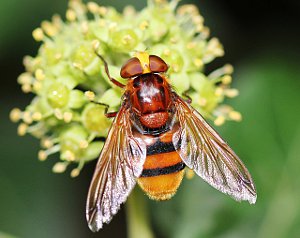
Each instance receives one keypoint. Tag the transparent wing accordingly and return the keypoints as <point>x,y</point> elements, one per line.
<point>120,163</point>
<point>204,151</point>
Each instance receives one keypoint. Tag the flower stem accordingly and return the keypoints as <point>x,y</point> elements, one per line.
<point>138,224</point>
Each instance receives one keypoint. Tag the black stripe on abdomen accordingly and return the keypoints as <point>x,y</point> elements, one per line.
<point>160,147</point>
<point>161,171</point>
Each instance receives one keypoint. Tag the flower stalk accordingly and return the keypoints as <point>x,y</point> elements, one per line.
<point>137,213</point>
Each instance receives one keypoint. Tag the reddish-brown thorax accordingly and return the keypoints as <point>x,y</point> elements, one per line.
<point>148,91</point>
<point>150,97</point>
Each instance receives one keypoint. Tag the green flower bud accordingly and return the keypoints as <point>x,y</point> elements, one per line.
<point>100,30</point>
<point>170,55</point>
<point>206,96</point>
<point>92,151</point>
<point>123,40</point>
<point>41,104</point>
<point>112,97</point>
<point>58,95</point>
<point>94,120</point>
<point>67,80</point>
<point>197,80</point>
<point>76,99</point>
<point>84,57</point>
<point>70,141</point>
<point>180,82</point>
<point>76,132</point>
<point>51,54</point>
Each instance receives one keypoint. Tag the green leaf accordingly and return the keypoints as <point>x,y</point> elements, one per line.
<point>267,141</point>
<point>5,235</point>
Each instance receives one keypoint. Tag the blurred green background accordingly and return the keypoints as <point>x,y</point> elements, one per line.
<point>262,41</point>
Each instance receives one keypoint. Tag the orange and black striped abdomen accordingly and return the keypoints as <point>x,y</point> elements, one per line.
<point>163,168</point>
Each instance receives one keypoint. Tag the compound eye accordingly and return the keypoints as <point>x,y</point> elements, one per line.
<point>157,65</point>
<point>131,68</point>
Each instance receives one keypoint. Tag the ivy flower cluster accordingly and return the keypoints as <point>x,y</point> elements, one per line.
<point>66,74</point>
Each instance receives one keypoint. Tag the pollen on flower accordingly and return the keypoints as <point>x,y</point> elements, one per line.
<point>231,92</point>
<point>95,44</point>
<point>37,86</point>
<point>112,26</point>
<point>25,78</point>
<point>129,11</point>
<point>167,52</point>
<point>69,155</point>
<point>57,21</point>
<point>83,144</point>
<point>205,32</point>
<point>202,102</point>
<point>93,7</point>
<point>38,34</point>
<point>219,91</point>
<point>26,88</point>
<point>42,155</point>
<point>126,39</point>
<point>84,27</point>
<point>144,25</point>
<point>219,120</point>
<point>102,11</point>
<point>90,95</point>
<point>213,49</point>
<point>36,116</point>
<point>27,118</point>
<point>39,74</point>
<point>49,28</point>
<point>234,115</point>
<point>22,129</point>
<point>67,117</point>
<point>15,115</point>
<point>198,62</point>
<point>71,15</point>
<point>214,46</point>
<point>228,69</point>
<point>226,79</point>
<point>58,114</point>
<point>75,172</point>
<point>46,143</point>
<point>225,70</point>
<point>188,9</point>
<point>197,19</point>
<point>78,66</point>
<point>59,167</point>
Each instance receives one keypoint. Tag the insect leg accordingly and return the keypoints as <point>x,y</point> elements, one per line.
<point>111,114</point>
<point>114,81</point>
<point>106,106</point>
<point>188,98</point>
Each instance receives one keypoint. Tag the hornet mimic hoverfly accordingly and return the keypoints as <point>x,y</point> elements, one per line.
<point>155,134</point>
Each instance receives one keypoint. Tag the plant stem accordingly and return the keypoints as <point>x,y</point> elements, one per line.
<point>138,224</point>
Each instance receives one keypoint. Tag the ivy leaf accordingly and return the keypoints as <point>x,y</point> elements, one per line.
<point>268,142</point>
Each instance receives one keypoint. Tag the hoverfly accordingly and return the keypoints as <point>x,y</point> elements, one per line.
<point>154,136</point>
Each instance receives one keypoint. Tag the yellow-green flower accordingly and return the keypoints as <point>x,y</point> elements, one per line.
<point>66,66</point>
